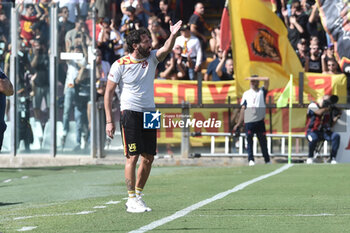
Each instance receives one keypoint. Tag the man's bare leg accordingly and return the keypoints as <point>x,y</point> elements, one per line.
<point>144,170</point>
<point>130,167</point>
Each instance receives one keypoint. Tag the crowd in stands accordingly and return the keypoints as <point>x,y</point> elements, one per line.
<point>196,54</point>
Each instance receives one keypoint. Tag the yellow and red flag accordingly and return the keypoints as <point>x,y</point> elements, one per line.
<point>261,46</point>
<point>271,4</point>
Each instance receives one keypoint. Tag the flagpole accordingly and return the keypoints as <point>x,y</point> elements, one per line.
<point>290,120</point>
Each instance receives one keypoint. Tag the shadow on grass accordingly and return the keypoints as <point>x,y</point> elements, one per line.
<point>6,204</point>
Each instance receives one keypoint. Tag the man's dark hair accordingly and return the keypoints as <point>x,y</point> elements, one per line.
<point>166,2</point>
<point>62,8</point>
<point>134,37</point>
<point>29,6</point>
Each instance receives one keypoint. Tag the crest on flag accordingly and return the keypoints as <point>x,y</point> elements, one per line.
<point>262,42</point>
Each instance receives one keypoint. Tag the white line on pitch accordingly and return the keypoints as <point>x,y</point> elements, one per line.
<point>26,228</point>
<point>54,215</point>
<point>65,214</point>
<point>112,202</point>
<point>269,215</point>
<point>200,204</point>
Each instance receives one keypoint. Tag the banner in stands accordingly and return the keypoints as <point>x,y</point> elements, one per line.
<point>335,15</point>
<point>175,92</point>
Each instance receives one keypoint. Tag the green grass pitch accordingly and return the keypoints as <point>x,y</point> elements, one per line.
<point>303,198</point>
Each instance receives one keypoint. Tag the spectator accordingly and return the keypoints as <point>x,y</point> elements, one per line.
<point>124,6</point>
<point>165,15</point>
<point>314,40</point>
<point>145,12</point>
<point>215,39</point>
<point>82,98</point>
<point>320,119</point>
<point>313,62</point>
<point>228,73</point>
<point>199,27</point>
<point>211,70</point>
<point>6,89</point>
<point>332,67</point>
<point>64,25</point>
<point>73,8</point>
<point>175,67</point>
<point>302,51</point>
<point>103,8</point>
<point>27,21</point>
<point>158,34</point>
<point>328,54</point>
<point>253,113</point>
<point>107,40</point>
<point>4,28</point>
<point>102,70</point>
<point>315,28</point>
<point>69,89</point>
<point>295,30</point>
<point>132,23</point>
<point>77,35</point>
<point>300,16</point>
<point>40,80</point>
<point>190,47</point>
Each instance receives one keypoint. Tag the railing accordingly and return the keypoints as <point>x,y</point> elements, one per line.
<point>240,153</point>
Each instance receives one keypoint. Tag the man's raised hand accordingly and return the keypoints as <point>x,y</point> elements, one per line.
<point>175,28</point>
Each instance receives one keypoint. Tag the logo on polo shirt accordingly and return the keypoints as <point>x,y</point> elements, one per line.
<point>151,120</point>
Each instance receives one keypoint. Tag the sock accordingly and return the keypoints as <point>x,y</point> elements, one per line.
<point>138,191</point>
<point>132,194</point>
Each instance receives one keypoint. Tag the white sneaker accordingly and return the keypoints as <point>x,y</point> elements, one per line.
<point>134,206</point>
<point>141,201</point>
<point>251,163</point>
<point>334,161</point>
<point>309,161</point>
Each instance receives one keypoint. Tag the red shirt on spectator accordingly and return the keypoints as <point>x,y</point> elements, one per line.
<point>26,26</point>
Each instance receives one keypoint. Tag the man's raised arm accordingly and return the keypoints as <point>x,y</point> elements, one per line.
<point>169,43</point>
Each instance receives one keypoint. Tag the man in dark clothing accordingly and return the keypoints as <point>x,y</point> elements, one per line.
<point>313,63</point>
<point>6,89</point>
<point>320,119</point>
<point>198,26</point>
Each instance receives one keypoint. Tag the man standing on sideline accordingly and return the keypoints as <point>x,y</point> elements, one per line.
<point>135,75</point>
<point>6,89</point>
<point>253,110</point>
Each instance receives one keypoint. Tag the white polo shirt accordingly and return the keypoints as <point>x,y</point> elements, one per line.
<point>135,79</point>
<point>255,105</point>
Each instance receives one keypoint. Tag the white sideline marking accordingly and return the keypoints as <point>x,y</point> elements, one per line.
<point>112,202</point>
<point>24,177</point>
<point>191,208</point>
<point>26,228</point>
<point>270,215</point>
<point>7,181</point>
<point>99,207</point>
<point>55,215</point>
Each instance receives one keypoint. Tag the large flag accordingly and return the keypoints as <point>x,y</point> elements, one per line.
<point>335,16</point>
<point>261,46</point>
